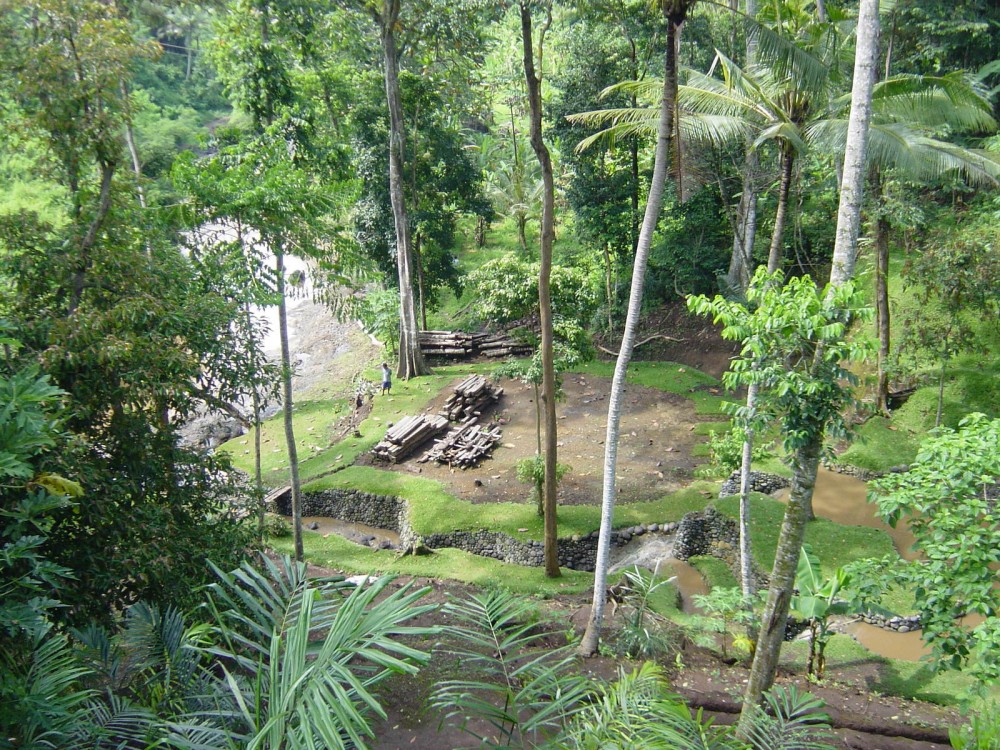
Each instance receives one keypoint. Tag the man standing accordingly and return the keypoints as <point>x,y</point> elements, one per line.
<point>386,379</point>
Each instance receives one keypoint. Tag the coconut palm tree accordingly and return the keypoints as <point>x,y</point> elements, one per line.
<point>805,459</point>
<point>908,111</point>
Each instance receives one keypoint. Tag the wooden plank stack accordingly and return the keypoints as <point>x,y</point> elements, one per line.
<point>465,445</point>
<point>466,345</point>
<point>407,435</point>
<point>471,396</point>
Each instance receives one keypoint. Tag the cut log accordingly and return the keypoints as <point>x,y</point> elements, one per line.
<point>407,435</point>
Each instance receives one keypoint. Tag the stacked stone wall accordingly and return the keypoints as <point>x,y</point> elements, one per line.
<point>391,513</point>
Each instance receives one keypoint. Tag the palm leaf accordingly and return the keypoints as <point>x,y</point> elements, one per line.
<point>519,686</point>
<point>311,683</point>
<point>790,720</point>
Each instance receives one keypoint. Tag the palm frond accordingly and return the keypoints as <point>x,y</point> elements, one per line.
<point>49,698</point>
<point>116,724</point>
<point>788,60</point>
<point>952,100</point>
<point>520,687</point>
<point>647,90</point>
<point>789,720</point>
<point>311,683</point>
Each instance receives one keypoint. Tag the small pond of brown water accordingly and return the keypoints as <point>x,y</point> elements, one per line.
<point>844,499</point>
<point>689,583</point>
<point>354,532</point>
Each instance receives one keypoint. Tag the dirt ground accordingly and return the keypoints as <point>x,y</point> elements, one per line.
<point>654,451</point>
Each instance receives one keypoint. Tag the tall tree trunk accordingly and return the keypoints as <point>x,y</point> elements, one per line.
<point>845,248</point>
<point>286,400</point>
<point>609,287</point>
<point>133,150</point>
<point>411,359</point>
<point>793,528</point>
<point>806,461</point>
<point>741,262</point>
<point>591,638</point>
<point>747,583</point>
<point>882,322</point>
<point>420,281</point>
<point>544,298</point>
<point>787,163</point>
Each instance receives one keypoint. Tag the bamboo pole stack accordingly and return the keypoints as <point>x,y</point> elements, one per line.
<point>407,435</point>
<point>465,445</point>
<point>470,397</point>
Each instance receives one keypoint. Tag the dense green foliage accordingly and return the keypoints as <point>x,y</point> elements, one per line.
<point>155,156</point>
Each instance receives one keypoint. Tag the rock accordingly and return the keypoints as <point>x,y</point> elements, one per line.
<point>313,526</point>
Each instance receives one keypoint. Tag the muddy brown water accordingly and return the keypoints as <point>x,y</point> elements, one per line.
<point>354,532</point>
<point>844,499</point>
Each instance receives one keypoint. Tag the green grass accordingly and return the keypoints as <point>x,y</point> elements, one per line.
<point>433,510</point>
<point>336,552</point>
<point>834,544</point>
<point>906,679</point>
<point>715,572</point>
<point>973,384</point>
<point>703,390</point>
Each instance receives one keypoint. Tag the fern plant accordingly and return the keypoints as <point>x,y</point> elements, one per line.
<point>639,713</point>
<point>516,684</point>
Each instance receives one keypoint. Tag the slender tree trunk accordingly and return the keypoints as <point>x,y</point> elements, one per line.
<point>411,359</point>
<point>609,288</point>
<point>747,583</point>
<point>522,235</point>
<point>420,281</point>
<point>544,298</point>
<point>882,299</point>
<point>845,249</point>
<point>634,192</point>
<point>741,263</point>
<point>806,461</point>
<point>941,379</point>
<point>258,478</point>
<point>787,163</point>
<point>286,400</point>
<point>591,638</point>
<point>133,150</point>
<point>83,253</point>
<point>793,529</point>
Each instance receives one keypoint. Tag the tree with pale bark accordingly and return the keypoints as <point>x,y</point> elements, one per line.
<point>808,444</point>
<point>675,12</point>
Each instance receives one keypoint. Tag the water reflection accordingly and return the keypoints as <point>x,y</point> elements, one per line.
<point>358,533</point>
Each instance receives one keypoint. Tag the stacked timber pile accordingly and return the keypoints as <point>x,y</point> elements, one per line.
<point>499,345</point>
<point>446,344</point>
<point>466,345</point>
<point>464,446</point>
<point>407,435</point>
<point>469,398</point>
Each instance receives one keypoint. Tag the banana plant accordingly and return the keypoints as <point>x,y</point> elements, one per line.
<point>818,600</point>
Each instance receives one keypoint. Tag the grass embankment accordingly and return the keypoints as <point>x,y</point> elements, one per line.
<point>972,384</point>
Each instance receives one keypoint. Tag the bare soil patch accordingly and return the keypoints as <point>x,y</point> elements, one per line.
<point>654,449</point>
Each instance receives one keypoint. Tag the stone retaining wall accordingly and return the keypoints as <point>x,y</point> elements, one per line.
<point>708,532</point>
<point>391,513</point>
<point>760,481</point>
<point>381,511</point>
